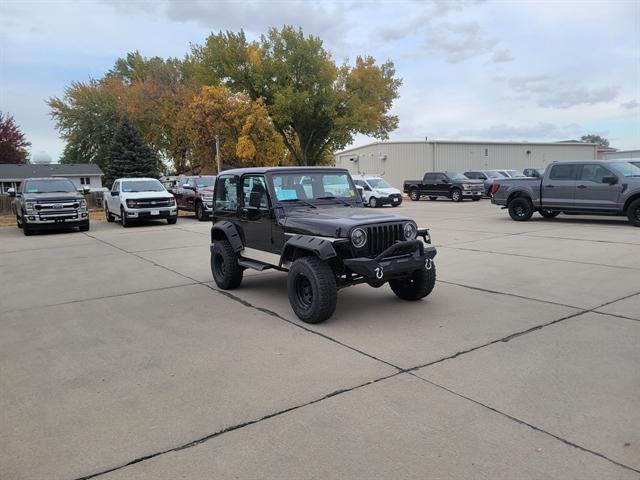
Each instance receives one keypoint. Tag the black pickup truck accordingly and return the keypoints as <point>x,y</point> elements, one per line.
<point>453,185</point>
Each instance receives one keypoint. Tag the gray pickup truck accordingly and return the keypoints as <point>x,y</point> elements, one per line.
<point>574,187</point>
<point>49,203</point>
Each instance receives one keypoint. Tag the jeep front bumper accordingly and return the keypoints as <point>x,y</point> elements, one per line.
<point>396,261</point>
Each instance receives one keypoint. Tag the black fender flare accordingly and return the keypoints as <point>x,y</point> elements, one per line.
<point>226,230</point>
<point>318,246</point>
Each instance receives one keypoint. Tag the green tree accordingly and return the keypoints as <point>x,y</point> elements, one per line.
<point>593,138</point>
<point>13,144</point>
<point>129,155</point>
<point>315,105</point>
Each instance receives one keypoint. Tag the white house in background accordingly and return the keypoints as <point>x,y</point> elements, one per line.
<point>81,174</point>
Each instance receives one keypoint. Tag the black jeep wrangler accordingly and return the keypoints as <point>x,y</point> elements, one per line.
<point>311,222</point>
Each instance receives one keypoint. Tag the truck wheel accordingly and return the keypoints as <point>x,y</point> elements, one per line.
<point>126,223</point>
<point>549,213</point>
<point>414,194</point>
<point>373,202</point>
<point>433,199</point>
<point>417,286</point>
<point>456,195</point>
<point>26,229</point>
<point>520,209</point>
<point>18,221</point>
<point>84,227</point>
<point>633,213</point>
<point>201,214</point>
<point>107,213</point>
<point>312,289</point>
<point>172,220</point>
<point>225,269</point>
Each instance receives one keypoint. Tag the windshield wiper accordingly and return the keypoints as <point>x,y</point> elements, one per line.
<point>331,197</point>
<point>298,200</point>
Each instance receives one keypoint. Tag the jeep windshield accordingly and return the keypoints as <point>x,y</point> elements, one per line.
<point>142,186</point>
<point>625,169</point>
<point>61,185</point>
<point>306,187</point>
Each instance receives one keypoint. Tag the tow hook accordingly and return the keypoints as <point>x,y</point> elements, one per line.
<point>428,264</point>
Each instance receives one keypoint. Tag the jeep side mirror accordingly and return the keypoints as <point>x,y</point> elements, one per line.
<point>12,192</point>
<point>611,180</point>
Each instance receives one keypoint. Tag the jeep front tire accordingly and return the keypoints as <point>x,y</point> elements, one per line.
<point>225,269</point>
<point>312,289</point>
<point>418,285</point>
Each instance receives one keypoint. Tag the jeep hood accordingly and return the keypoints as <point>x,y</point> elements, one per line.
<point>326,221</point>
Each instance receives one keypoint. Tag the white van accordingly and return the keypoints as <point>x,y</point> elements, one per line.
<point>376,191</point>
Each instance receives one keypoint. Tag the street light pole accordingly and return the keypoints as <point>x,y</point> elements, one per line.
<point>218,153</point>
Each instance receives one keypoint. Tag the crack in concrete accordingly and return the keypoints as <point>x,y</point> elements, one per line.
<point>533,427</point>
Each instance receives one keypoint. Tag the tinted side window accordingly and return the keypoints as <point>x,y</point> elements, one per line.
<point>440,177</point>
<point>563,172</point>
<point>594,173</point>
<point>471,175</point>
<point>429,177</point>
<point>254,192</point>
<point>226,194</point>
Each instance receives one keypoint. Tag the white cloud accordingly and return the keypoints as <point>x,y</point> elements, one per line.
<point>502,55</point>
<point>630,105</point>
<point>535,131</point>
<point>550,92</point>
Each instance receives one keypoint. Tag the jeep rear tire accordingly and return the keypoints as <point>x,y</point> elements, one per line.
<point>520,209</point>
<point>456,195</point>
<point>633,213</point>
<point>414,194</point>
<point>226,271</point>
<point>311,285</point>
<point>417,286</point>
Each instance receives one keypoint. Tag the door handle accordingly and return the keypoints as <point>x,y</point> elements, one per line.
<point>581,186</point>
<point>548,186</point>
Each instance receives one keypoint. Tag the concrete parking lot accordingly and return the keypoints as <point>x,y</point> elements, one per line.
<point>120,359</point>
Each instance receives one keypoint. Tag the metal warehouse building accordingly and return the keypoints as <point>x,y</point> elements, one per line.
<point>401,160</point>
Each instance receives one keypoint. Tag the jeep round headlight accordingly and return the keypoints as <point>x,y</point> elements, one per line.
<point>358,237</point>
<point>410,230</point>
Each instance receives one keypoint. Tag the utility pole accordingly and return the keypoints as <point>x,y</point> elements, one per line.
<point>218,153</point>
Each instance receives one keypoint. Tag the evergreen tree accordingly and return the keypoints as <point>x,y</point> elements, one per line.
<point>128,155</point>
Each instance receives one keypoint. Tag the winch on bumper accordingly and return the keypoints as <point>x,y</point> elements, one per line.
<point>400,259</point>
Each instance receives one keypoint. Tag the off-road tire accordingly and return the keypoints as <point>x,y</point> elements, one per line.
<point>311,285</point>
<point>126,223</point>
<point>226,271</point>
<point>633,213</point>
<point>373,202</point>
<point>201,214</point>
<point>417,286</point>
<point>414,194</point>
<point>433,199</point>
<point>456,195</point>
<point>520,209</point>
<point>548,213</point>
<point>172,220</point>
<point>109,215</point>
<point>84,227</point>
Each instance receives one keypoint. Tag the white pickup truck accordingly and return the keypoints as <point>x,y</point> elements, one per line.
<point>134,199</point>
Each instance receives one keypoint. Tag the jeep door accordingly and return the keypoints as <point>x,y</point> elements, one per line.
<point>255,217</point>
<point>592,192</point>
<point>558,188</point>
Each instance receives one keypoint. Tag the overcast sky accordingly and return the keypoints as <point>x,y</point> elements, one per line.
<point>497,70</point>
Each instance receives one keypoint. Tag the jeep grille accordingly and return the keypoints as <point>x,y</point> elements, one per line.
<point>381,237</point>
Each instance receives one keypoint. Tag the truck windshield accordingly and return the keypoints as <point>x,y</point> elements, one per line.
<point>202,182</point>
<point>378,183</point>
<point>61,185</point>
<point>142,186</point>
<point>290,187</point>
<point>457,176</point>
<point>625,169</point>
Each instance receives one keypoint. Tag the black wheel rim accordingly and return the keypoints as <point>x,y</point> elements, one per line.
<point>219,268</point>
<point>519,211</point>
<point>304,292</point>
